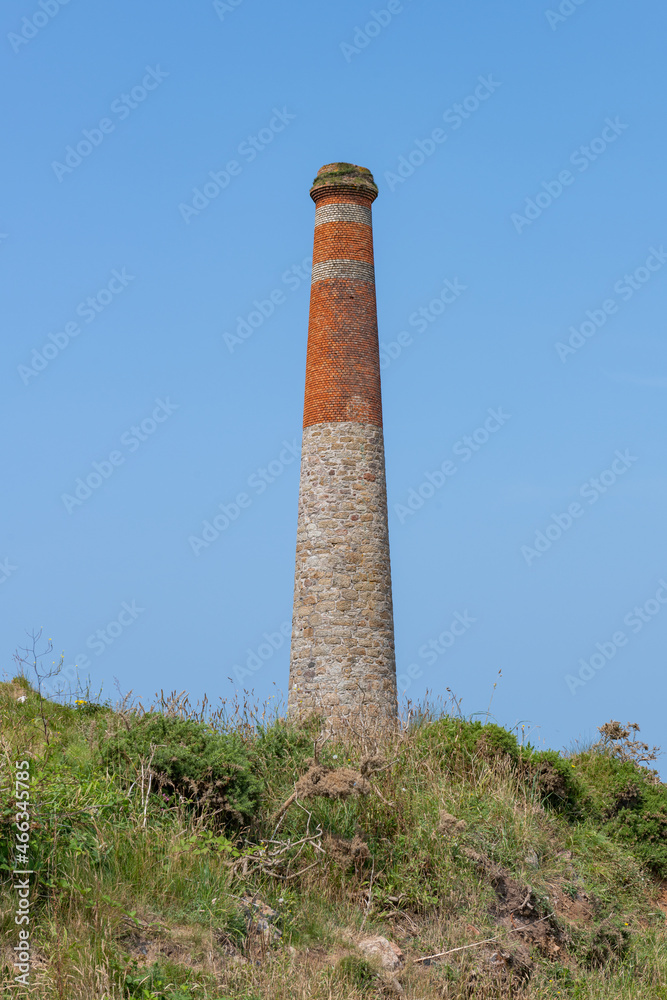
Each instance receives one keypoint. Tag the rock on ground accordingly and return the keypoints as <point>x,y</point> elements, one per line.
<point>390,955</point>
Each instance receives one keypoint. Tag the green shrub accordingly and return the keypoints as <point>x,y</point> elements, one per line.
<point>467,739</point>
<point>236,927</point>
<point>552,775</point>
<point>357,971</point>
<point>611,785</point>
<point>623,799</point>
<point>144,983</point>
<point>555,779</point>
<point>156,983</point>
<point>282,744</point>
<point>494,741</point>
<point>608,943</point>
<point>210,769</point>
<point>83,707</point>
<point>645,830</point>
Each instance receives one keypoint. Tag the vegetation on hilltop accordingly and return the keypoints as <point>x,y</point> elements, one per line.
<point>174,859</point>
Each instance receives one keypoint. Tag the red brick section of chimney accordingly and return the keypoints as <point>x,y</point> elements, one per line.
<point>343,364</point>
<point>342,659</point>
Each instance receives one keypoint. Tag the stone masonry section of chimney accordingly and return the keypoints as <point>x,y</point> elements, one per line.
<point>342,657</point>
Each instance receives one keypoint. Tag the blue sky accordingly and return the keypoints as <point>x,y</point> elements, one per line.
<point>155,240</point>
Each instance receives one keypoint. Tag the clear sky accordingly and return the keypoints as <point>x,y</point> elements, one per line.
<point>155,240</point>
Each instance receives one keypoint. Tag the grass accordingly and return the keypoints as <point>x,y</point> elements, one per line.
<point>154,883</point>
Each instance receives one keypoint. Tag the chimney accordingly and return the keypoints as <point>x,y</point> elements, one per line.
<point>342,657</point>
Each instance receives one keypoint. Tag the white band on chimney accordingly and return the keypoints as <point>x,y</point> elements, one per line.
<point>353,270</point>
<point>343,212</point>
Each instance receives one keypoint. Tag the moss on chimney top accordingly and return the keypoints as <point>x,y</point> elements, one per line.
<point>345,173</point>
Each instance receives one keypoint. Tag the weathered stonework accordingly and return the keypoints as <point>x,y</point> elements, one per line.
<point>343,212</point>
<point>343,631</point>
<point>354,270</point>
<point>342,658</point>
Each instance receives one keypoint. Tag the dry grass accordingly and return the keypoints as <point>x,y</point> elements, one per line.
<point>358,833</point>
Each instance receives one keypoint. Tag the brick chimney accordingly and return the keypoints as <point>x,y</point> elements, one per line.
<point>342,658</point>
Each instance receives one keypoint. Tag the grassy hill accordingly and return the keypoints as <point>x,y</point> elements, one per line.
<point>172,858</point>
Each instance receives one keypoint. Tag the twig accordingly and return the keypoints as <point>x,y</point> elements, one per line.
<point>285,846</point>
<point>441,954</point>
<point>381,796</point>
<point>266,859</point>
<point>281,810</point>
<point>294,874</point>
<point>278,825</point>
<point>385,766</point>
<point>476,944</point>
<point>525,903</point>
<point>370,897</point>
<point>316,748</point>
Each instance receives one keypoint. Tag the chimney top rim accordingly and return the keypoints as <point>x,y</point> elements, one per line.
<point>336,177</point>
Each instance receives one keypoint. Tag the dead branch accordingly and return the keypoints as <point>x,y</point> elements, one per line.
<point>476,944</point>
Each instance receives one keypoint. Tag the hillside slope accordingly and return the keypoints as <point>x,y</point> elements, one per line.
<point>171,858</point>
